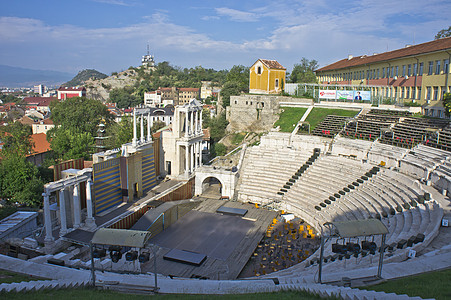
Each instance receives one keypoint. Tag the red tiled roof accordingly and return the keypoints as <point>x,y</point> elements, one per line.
<point>71,89</point>
<point>47,121</point>
<point>39,101</point>
<point>189,90</point>
<point>40,143</point>
<point>436,45</point>
<point>272,64</point>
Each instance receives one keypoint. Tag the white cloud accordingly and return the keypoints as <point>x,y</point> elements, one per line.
<point>208,18</point>
<point>314,29</point>
<point>95,46</point>
<point>237,15</point>
<point>114,2</point>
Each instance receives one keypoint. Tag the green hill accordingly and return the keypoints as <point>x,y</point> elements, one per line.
<point>84,75</point>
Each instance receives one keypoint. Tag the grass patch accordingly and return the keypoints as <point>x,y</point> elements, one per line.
<point>430,285</point>
<point>10,277</point>
<point>237,138</point>
<point>289,118</point>
<point>87,293</point>
<point>318,114</point>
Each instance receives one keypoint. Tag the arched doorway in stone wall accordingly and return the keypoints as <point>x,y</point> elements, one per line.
<point>212,187</point>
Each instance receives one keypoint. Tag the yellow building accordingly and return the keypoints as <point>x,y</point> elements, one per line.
<point>414,73</point>
<point>266,77</point>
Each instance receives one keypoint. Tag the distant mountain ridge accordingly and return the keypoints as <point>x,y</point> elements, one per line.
<point>83,76</point>
<point>22,77</point>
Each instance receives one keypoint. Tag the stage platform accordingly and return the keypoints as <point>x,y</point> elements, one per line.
<point>228,241</point>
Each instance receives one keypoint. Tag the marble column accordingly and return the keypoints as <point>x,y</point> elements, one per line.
<point>200,153</point>
<point>89,218</point>
<point>149,136</point>
<point>195,155</point>
<point>134,129</point>
<point>192,123</point>
<point>186,123</point>
<point>192,157</point>
<point>196,115</point>
<point>186,160</point>
<point>63,217</point>
<point>47,218</point>
<point>77,206</point>
<point>142,129</point>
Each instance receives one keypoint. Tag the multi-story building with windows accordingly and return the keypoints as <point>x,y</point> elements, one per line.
<point>186,94</point>
<point>418,73</point>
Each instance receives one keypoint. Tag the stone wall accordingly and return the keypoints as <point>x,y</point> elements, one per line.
<point>256,113</point>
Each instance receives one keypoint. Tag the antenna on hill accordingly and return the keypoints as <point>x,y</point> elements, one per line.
<point>148,51</point>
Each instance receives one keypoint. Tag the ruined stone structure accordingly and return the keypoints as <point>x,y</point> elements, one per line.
<point>254,112</point>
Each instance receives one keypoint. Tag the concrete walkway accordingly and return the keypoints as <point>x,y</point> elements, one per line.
<point>63,277</point>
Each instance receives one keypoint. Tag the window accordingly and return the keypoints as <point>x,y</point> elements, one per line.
<point>435,92</point>
<point>383,72</point>
<point>431,67</point>
<point>392,74</point>
<point>419,93</point>
<point>415,69</point>
<point>396,71</point>
<point>396,92</point>
<point>446,66</point>
<point>403,70</point>
<point>409,70</point>
<point>421,70</point>
<point>428,93</point>
<point>377,74</point>
<point>402,93</point>
<point>443,90</point>
<point>277,83</point>
<point>437,67</point>
<point>407,92</point>
<point>259,70</point>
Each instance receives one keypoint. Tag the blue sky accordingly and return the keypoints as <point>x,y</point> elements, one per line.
<point>111,35</point>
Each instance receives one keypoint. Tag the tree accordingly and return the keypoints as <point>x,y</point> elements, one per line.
<point>220,149</point>
<point>16,139</point>
<point>19,181</point>
<point>80,113</point>
<point>443,33</point>
<point>230,88</point>
<point>120,133</point>
<point>125,97</point>
<point>304,72</point>
<point>447,104</point>
<point>217,127</point>
<point>240,75</point>
<point>71,144</point>
<point>237,81</point>
<point>76,122</point>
